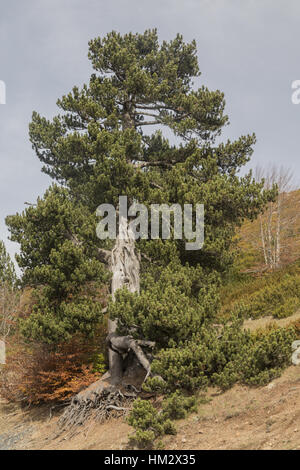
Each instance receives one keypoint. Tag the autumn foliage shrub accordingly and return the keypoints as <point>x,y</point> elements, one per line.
<point>36,373</point>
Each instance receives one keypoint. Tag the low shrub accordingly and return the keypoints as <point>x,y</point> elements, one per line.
<point>36,373</point>
<point>150,423</point>
<point>235,356</point>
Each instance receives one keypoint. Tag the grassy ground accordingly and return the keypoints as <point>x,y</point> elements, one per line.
<point>274,294</point>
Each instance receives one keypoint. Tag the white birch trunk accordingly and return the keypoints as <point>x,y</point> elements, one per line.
<point>278,227</point>
<point>263,240</point>
<point>269,238</point>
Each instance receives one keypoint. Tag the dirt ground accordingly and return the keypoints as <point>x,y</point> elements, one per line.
<point>246,418</point>
<point>241,418</point>
<point>264,322</point>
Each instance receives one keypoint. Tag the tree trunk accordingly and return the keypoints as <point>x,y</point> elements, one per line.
<point>129,366</point>
<point>278,228</point>
<point>125,266</point>
<point>262,234</point>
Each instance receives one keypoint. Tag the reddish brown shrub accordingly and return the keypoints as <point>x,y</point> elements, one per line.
<point>37,373</point>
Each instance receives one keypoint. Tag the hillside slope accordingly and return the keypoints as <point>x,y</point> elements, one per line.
<point>241,418</point>
<point>249,237</point>
<point>265,417</point>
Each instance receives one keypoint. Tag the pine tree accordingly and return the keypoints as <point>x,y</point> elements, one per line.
<point>110,139</point>
<point>7,269</point>
<point>58,256</point>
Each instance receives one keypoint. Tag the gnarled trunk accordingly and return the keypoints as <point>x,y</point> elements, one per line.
<point>128,364</point>
<point>125,267</point>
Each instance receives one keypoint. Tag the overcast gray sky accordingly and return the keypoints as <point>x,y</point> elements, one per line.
<point>247,48</point>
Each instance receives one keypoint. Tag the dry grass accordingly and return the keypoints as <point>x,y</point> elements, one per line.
<point>246,418</point>
<point>241,418</point>
<point>265,322</point>
<point>251,256</point>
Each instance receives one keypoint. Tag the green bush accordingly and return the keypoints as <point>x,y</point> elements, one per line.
<point>237,356</point>
<point>150,423</point>
<point>99,364</point>
<point>174,302</point>
<point>176,406</point>
<point>142,439</point>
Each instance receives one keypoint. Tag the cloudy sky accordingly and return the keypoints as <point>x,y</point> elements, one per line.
<point>247,48</point>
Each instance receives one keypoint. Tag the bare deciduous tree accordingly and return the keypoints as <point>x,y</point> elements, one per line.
<point>271,222</point>
<point>8,304</point>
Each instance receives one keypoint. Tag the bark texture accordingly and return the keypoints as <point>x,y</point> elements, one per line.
<point>129,365</point>
<point>125,267</point>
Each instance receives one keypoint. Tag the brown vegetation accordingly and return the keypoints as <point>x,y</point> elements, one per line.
<point>36,374</point>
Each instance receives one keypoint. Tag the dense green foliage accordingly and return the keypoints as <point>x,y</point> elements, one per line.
<point>174,303</point>
<point>65,275</point>
<point>151,423</point>
<point>232,356</point>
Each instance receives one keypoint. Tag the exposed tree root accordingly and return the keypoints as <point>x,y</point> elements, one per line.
<point>108,397</point>
<point>123,345</point>
<point>99,401</point>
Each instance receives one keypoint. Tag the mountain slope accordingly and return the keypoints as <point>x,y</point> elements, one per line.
<point>241,418</point>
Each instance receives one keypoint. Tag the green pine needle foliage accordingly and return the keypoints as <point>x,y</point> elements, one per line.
<point>151,423</point>
<point>65,276</point>
<point>7,269</point>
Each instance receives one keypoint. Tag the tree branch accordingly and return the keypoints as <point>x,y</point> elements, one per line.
<point>155,185</point>
<point>153,108</point>
<point>149,123</point>
<point>158,163</point>
<point>104,255</point>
